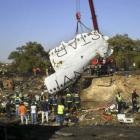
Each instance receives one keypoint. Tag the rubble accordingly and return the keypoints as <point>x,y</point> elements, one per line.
<point>122,118</point>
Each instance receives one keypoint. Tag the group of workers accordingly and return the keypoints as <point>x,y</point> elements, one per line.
<point>134,101</point>
<point>31,108</point>
<point>99,69</point>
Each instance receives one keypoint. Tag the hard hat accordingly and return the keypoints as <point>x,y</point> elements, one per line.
<point>134,89</point>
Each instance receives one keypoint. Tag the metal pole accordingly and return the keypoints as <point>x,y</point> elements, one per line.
<point>94,19</point>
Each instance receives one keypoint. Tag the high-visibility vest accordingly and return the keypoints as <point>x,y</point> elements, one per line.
<point>60,109</point>
<point>20,96</point>
<point>14,96</point>
<point>69,98</point>
<point>119,98</point>
<point>76,98</point>
<point>17,103</point>
<point>27,105</point>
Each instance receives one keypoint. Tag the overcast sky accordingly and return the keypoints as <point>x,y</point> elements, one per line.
<point>49,22</point>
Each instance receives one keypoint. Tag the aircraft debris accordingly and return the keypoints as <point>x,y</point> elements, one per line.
<point>122,118</point>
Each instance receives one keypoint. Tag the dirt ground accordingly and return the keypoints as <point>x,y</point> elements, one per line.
<point>93,126</point>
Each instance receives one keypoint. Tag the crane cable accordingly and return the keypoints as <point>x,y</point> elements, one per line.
<point>78,16</point>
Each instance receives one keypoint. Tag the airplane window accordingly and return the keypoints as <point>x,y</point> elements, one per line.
<point>51,90</point>
<point>78,39</point>
<point>57,87</point>
<point>85,36</point>
<point>61,85</point>
<point>52,53</point>
<point>54,88</point>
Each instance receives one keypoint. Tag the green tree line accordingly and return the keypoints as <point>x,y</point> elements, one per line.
<point>126,51</point>
<point>27,57</point>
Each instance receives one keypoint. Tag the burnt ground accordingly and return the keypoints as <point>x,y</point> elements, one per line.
<point>92,132</point>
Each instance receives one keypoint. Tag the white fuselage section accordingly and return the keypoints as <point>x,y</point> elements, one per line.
<point>70,59</point>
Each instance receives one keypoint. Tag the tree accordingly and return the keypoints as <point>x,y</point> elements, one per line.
<point>125,50</point>
<point>27,57</point>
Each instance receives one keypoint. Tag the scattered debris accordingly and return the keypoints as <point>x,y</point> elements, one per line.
<point>106,117</point>
<point>122,118</point>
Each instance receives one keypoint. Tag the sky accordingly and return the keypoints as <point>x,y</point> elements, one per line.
<point>49,22</point>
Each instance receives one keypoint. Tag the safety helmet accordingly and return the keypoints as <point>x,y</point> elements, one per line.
<point>134,89</point>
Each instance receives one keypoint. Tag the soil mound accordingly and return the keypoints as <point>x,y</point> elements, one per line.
<point>106,88</point>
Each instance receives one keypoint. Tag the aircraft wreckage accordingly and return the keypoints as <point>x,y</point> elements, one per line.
<point>71,58</point>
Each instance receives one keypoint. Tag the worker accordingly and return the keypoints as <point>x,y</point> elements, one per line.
<point>60,112</point>
<point>134,100</point>
<point>21,87</point>
<point>17,104</point>
<point>8,111</point>
<point>1,109</point>
<point>22,111</point>
<point>9,86</point>
<point>13,106</point>
<point>28,109</point>
<point>21,97</point>
<point>34,102</point>
<point>44,109</point>
<point>91,69</point>
<point>34,70</point>
<point>13,86</point>
<point>55,105</point>
<point>42,97</point>
<point>34,113</point>
<point>27,86</point>
<point>13,97</point>
<point>97,70</point>
<point>1,86</point>
<point>77,101</point>
<point>119,101</point>
<point>50,100</point>
<point>69,101</point>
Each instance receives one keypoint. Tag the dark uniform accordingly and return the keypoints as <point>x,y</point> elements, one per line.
<point>28,109</point>
<point>77,101</point>
<point>13,86</point>
<point>134,102</point>
<point>97,70</point>
<point>8,111</point>
<point>27,86</point>
<point>69,101</point>
<point>55,105</point>
<point>17,104</point>
<point>1,109</point>
<point>50,100</point>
